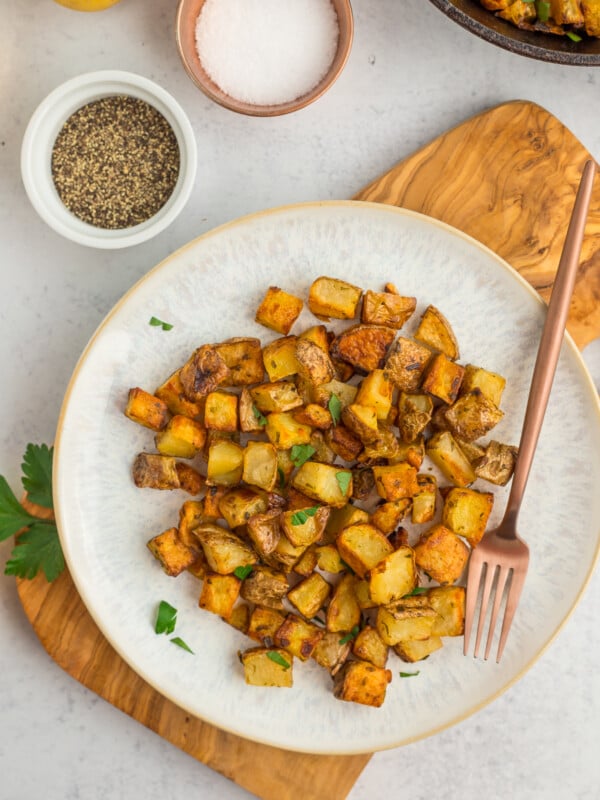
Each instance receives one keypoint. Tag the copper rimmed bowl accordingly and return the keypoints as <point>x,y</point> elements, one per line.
<point>541,46</point>
<point>185,28</point>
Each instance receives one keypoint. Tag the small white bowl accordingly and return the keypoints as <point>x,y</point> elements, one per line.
<point>41,133</point>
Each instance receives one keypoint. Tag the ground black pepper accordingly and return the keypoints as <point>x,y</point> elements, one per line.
<point>115,162</point>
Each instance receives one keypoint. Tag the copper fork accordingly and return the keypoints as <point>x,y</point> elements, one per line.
<point>501,551</point>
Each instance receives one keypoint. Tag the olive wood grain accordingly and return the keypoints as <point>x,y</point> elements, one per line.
<point>508,177</point>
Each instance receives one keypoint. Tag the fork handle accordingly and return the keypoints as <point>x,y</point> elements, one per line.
<point>549,348</point>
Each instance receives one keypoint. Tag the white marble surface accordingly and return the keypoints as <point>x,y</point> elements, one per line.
<point>411,75</point>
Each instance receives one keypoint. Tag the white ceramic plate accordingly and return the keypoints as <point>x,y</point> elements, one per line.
<point>209,291</point>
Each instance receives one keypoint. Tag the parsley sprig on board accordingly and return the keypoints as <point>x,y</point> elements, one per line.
<point>38,548</point>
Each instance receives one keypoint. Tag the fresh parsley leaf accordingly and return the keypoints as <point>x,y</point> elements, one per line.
<point>574,37</point>
<point>281,476</point>
<point>409,674</point>
<point>180,643</point>
<point>37,474</point>
<point>260,418</point>
<point>352,635</point>
<point>166,618</point>
<point>158,323</point>
<point>301,453</point>
<point>243,572</point>
<point>343,479</point>
<point>543,10</point>
<point>278,659</point>
<point>300,517</point>
<point>335,408</point>
<point>416,590</point>
<point>13,516</point>
<point>37,549</point>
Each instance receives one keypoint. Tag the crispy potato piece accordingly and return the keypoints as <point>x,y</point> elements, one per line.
<point>417,649</point>
<point>449,603</point>
<point>330,297</point>
<point>376,390</point>
<point>369,646</point>
<point>490,384</point>
<point>363,346</point>
<point>265,531</point>
<point>441,554</point>
<point>225,463</point>
<point>329,559</point>
<point>310,595</point>
<point>497,464</point>
<point>203,372</point>
<point>466,513</point>
<point>190,480</point>
<point>305,526</point>
<point>341,518</point>
<point>298,636</point>
<point>314,415</point>
<point>343,612</point>
<point>343,442</point>
<point>250,418</point>
<point>221,411</point>
<point>182,438</point>
<point>212,499</point>
<point>388,515</point>
<point>265,587</point>
<point>326,483</point>
<point>315,364</point>
<point>191,514</point>
<point>146,409</point>
<point>591,16</point>
<point>411,452</point>
<point>472,450</point>
<point>363,483</point>
<point>264,624</point>
<point>285,555</point>
<point>267,667</point>
<point>396,481</point>
<point>317,334</point>
<point>362,547</point>
<point>384,308</point>
<point>239,618</point>
<point>243,357</point>
<point>472,416</point>
<point>260,465</point>
<point>443,378</point>
<point>435,331</point>
<point>237,505</point>
<point>384,446</point>
<point>345,393</point>
<point>219,593</point>
<point>279,358</point>
<point>424,501</point>
<point>276,397</point>
<point>519,12</point>
<point>307,563</point>
<point>284,431</point>
<point>279,310</point>
<point>323,452</point>
<point>171,392</point>
<point>393,577</point>
<point>361,590</point>
<point>151,471</point>
<point>174,556</point>
<point>362,421</point>
<point>361,682</point>
<point>224,550</point>
<point>406,363</point>
<point>445,453</point>
<point>409,619</point>
<point>414,414</point>
<point>566,12</point>
<point>329,653</point>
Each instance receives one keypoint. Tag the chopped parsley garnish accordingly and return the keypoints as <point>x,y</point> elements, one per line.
<point>300,517</point>
<point>180,643</point>
<point>278,659</point>
<point>409,674</point>
<point>301,453</point>
<point>243,572</point>
<point>166,618</point>
<point>416,590</point>
<point>158,323</point>
<point>543,10</point>
<point>335,408</point>
<point>260,418</point>
<point>343,479</point>
<point>281,476</point>
<point>351,635</point>
<point>574,37</point>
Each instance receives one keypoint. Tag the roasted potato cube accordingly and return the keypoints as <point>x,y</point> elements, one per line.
<point>435,331</point>
<point>406,363</point>
<point>151,471</point>
<point>329,653</point>
<point>310,595</point>
<point>408,619</point>
<point>490,384</point>
<point>225,463</point>
<point>519,12</point>
<point>322,451</point>
<point>443,378</point>
<point>239,617</point>
<point>237,505</point>
<point>264,624</point>
<point>203,372</point>
<point>279,310</point>
<point>314,415</point>
<point>449,603</point>
<point>472,416</point>
<point>385,445</point>
<point>279,358</point>
<point>445,453</point>
<point>285,555</point>
<point>221,411</point>
<point>376,391</point>
<point>424,501</point>
<point>396,481</point>
<point>497,464</point>
<point>388,515</point>
<point>224,551</point>
<point>441,554</point>
<point>265,587</point>
<point>182,438</point>
<point>305,525</point>
<point>393,577</point>
<point>369,646</point>
<point>319,335</point>
<point>326,483</point>
<point>466,513</point>
<point>363,483</point>
<point>250,418</point>
<point>363,346</point>
<point>243,357</point>
<point>190,480</point>
<point>362,547</point>
<point>199,567</point>
<point>260,465</point>
<point>298,636</point>
<point>315,364</point>
<point>267,667</point>
<point>281,396</point>
<point>384,308</point>
<point>345,393</point>
<point>219,594</point>
<point>414,414</point>
<point>566,12</point>
<point>265,531</point>
<point>343,612</point>
<point>341,518</point>
<point>362,421</point>
<point>417,649</point>
<point>307,563</point>
<point>174,556</point>
<point>191,514</point>
<point>329,559</point>
<point>343,442</point>
<point>361,682</point>
<point>284,431</point>
<point>146,409</point>
<point>591,17</point>
<point>171,392</point>
<point>330,297</point>
<point>363,595</point>
<point>212,498</point>
<point>412,453</point>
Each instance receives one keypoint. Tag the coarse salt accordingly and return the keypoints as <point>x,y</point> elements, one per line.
<point>267,52</point>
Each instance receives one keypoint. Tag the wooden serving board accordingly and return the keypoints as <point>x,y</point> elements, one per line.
<point>508,178</point>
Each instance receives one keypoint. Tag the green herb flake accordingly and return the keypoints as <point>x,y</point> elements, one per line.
<point>410,674</point>
<point>351,635</point>
<point>300,517</point>
<point>343,479</point>
<point>574,37</point>
<point>260,418</point>
<point>243,572</point>
<point>180,643</point>
<point>543,10</point>
<point>158,323</point>
<point>281,476</point>
<point>301,453</point>
<point>166,618</point>
<point>416,590</point>
<point>278,659</point>
<point>335,408</point>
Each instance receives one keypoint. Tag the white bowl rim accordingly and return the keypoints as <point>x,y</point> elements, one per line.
<point>40,135</point>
